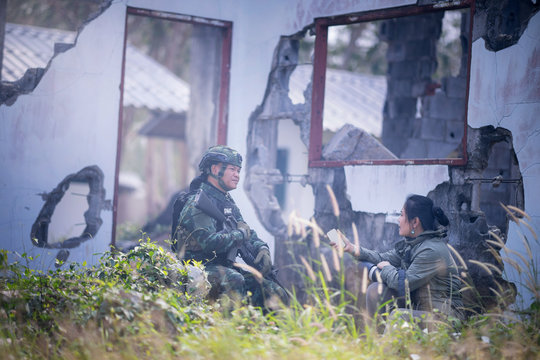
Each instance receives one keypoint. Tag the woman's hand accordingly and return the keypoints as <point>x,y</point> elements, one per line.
<point>383,264</point>
<point>347,246</point>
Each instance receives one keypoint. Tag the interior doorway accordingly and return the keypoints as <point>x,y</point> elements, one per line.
<point>175,89</point>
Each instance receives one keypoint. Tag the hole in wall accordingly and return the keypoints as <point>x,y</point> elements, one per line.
<point>35,29</point>
<point>67,221</point>
<point>79,193</point>
<point>32,32</point>
<point>502,184</point>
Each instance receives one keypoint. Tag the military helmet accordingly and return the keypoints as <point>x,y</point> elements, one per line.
<point>219,154</point>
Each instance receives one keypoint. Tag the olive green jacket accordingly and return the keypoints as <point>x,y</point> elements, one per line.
<point>423,268</point>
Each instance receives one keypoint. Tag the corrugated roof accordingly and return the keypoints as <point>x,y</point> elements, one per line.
<point>147,83</point>
<point>350,98</point>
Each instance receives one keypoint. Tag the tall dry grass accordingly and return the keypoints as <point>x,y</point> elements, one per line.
<point>164,324</point>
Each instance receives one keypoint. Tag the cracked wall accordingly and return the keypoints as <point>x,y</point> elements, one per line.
<point>11,89</point>
<point>66,123</point>
<point>70,120</point>
<point>40,233</point>
<point>369,195</point>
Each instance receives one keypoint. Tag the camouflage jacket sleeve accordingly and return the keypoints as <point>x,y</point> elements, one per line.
<point>201,234</point>
<point>256,242</point>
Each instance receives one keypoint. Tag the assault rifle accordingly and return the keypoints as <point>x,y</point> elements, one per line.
<point>245,249</point>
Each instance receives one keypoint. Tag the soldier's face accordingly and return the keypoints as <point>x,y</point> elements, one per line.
<point>230,178</point>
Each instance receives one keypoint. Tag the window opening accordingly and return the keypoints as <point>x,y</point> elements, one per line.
<point>396,82</point>
<point>68,220</point>
<point>282,164</point>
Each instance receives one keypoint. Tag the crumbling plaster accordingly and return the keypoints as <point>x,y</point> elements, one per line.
<point>505,92</point>
<point>382,189</point>
<point>69,121</point>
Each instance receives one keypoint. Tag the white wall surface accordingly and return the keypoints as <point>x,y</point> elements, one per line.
<point>257,27</point>
<point>67,123</point>
<point>505,92</point>
<point>383,189</point>
<point>300,199</point>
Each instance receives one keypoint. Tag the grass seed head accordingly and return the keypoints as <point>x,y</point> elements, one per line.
<point>333,200</point>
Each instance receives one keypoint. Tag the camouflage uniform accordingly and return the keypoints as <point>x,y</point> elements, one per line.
<point>207,240</point>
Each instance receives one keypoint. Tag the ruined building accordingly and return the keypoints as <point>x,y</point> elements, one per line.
<point>374,99</point>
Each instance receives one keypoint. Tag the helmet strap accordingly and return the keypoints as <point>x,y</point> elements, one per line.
<point>219,177</point>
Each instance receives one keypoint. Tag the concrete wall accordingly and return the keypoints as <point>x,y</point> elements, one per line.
<point>505,92</point>
<point>67,123</point>
<point>70,120</point>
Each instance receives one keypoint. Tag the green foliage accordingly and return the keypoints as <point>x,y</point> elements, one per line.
<point>124,293</point>
<point>135,305</point>
<point>58,14</point>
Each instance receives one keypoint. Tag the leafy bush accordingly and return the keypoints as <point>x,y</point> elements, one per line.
<point>146,304</point>
<point>118,293</point>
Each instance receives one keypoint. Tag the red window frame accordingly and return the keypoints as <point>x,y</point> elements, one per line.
<point>223,95</point>
<point>319,78</point>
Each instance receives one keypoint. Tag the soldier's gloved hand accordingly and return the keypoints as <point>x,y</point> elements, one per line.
<point>242,226</point>
<point>245,235</point>
<point>264,260</point>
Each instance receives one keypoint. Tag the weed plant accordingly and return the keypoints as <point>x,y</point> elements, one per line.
<point>140,305</point>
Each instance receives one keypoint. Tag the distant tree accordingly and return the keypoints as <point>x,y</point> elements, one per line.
<point>357,48</point>
<point>58,14</point>
<point>166,41</point>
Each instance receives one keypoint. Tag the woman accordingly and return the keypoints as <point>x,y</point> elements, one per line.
<point>421,265</point>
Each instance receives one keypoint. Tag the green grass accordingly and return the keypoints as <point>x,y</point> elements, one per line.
<point>140,305</point>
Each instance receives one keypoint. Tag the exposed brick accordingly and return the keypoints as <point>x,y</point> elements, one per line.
<point>396,52</point>
<point>454,87</point>
<point>444,108</point>
<point>416,149</point>
<point>400,88</point>
<point>402,107</point>
<point>402,69</point>
<point>433,129</point>
<point>423,48</point>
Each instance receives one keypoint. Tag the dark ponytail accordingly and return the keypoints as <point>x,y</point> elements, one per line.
<point>423,208</point>
<point>440,216</point>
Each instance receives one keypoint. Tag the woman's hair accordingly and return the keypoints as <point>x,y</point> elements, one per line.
<point>421,206</point>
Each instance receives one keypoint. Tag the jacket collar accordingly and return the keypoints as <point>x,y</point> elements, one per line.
<point>440,234</point>
<point>214,192</point>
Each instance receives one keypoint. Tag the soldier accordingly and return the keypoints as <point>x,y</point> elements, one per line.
<point>204,238</point>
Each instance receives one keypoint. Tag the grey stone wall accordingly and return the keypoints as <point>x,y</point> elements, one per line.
<point>473,209</point>
<point>422,119</point>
